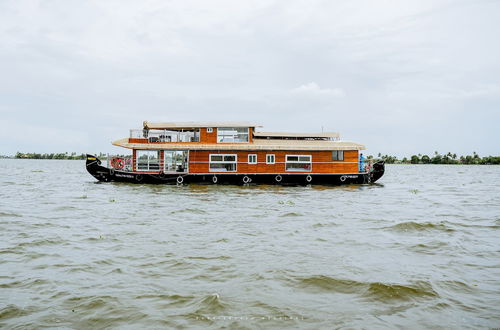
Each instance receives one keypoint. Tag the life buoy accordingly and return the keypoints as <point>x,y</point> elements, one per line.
<point>309,178</point>
<point>246,179</point>
<point>138,178</point>
<point>278,178</point>
<point>343,178</point>
<point>214,179</point>
<point>119,164</point>
<point>180,179</point>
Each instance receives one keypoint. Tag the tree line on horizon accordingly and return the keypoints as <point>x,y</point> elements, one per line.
<point>61,155</point>
<point>437,158</point>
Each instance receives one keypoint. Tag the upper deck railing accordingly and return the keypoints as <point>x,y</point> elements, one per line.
<point>165,135</point>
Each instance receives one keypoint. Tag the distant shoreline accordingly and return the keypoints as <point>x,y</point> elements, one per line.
<point>52,156</point>
<point>437,159</point>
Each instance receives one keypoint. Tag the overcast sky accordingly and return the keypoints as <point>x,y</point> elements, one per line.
<point>400,77</point>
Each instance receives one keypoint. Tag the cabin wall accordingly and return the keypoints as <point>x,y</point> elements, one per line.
<point>208,138</point>
<point>205,137</point>
<point>137,140</point>
<point>321,161</point>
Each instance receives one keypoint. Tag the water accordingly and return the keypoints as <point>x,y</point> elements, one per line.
<point>420,249</point>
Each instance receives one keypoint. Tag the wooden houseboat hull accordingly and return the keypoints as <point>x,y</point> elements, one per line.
<point>105,174</point>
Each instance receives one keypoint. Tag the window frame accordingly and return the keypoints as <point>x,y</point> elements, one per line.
<point>210,162</point>
<point>273,161</point>
<point>149,169</point>
<point>185,153</point>
<point>252,162</point>
<point>210,129</point>
<point>220,137</point>
<point>298,161</point>
<point>337,153</point>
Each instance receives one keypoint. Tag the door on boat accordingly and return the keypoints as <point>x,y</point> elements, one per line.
<point>176,161</point>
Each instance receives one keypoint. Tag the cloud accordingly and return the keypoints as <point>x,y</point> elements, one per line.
<point>313,89</point>
<point>371,70</point>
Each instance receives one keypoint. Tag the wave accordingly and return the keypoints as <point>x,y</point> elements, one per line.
<point>170,300</point>
<point>422,226</point>
<point>384,292</point>
<point>11,311</point>
<point>209,258</point>
<point>189,210</point>
<point>210,305</point>
<point>41,242</point>
<point>10,215</point>
<point>291,214</point>
<point>320,225</point>
<point>370,290</point>
<point>429,248</point>
<point>28,284</point>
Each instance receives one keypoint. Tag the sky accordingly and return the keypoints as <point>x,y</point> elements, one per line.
<point>401,77</point>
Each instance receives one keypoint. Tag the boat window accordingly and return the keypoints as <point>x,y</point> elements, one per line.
<point>175,161</point>
<point>232,134</point>
<point>222,163</point>
<point>338,155</point>
<point>252,159</point>
<point>147,160</point>
<point>165,135</point>
<point>270,159</point>
<point>299,163</point>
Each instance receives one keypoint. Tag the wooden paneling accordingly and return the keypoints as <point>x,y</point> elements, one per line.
<point>322,161</point>
<point>208,138</point>
<point>131,140</point>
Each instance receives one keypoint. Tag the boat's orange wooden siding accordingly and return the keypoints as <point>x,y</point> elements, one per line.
<point>137,140</point>
<point>322,161</point>
<point>206,137</point>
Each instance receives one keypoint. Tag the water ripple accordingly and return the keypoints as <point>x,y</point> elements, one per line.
<point>421,247</point>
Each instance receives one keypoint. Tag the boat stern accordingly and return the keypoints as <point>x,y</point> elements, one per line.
<point>378,171</point>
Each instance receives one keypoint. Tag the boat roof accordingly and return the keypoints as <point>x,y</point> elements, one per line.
<point>192,124</point>
<point>303,135</point>
<point>258,144</point>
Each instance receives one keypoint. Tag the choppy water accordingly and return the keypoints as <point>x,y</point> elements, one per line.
<point>421,249</point>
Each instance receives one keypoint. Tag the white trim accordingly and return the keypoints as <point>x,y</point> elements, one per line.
<point>226,133</point>
<point>235,162</point>
<point>210,129</point>
<point>148,169</point>
<point>186,169</point>
<point>298,161</point>
<point>267,159</point>
<point>251,162</point>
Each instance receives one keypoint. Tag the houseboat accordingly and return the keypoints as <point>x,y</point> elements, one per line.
<point>234,153</point>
